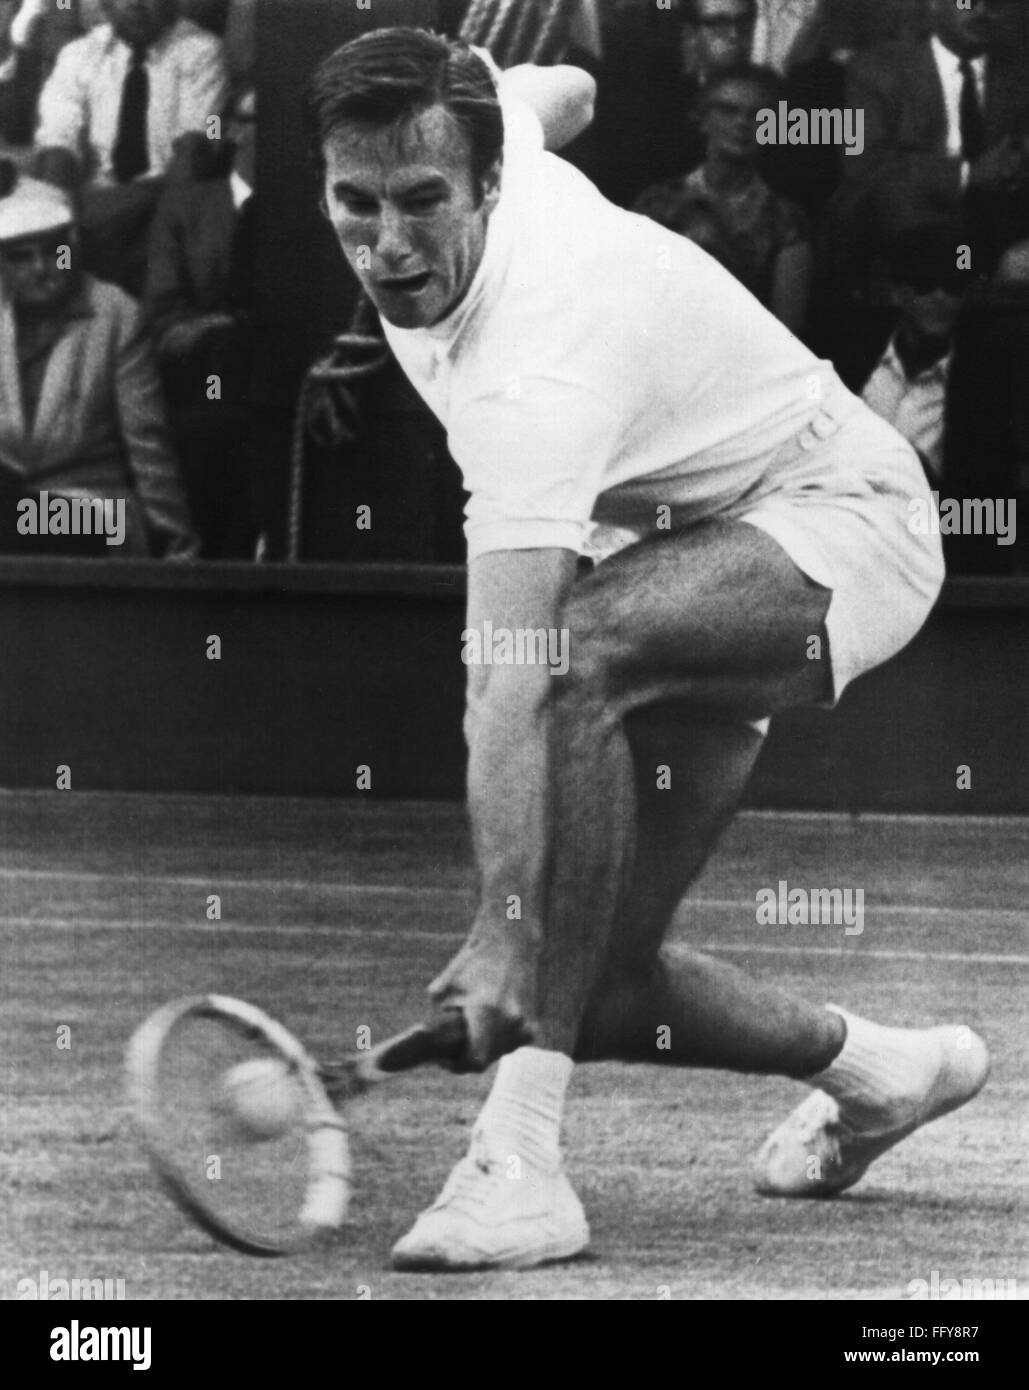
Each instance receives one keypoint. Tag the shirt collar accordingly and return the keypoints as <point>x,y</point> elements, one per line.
<point>936,372</point>
<point>114,43</point>
<point>948,61</point>
<point>241,190</point>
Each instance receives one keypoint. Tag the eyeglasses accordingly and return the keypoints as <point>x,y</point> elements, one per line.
<point>728,108</point>
<point>741,22</point>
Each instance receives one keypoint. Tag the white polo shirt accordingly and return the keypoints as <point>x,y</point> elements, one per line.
<point>601,367</point>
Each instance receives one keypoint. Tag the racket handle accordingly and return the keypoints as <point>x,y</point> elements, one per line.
<point>440,1041</point>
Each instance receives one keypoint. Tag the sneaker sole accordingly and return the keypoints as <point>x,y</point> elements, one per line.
<point>429,1261</point>
<point>815,1131</point>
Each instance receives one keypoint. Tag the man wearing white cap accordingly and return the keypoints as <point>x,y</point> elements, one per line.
<point>81,413</point>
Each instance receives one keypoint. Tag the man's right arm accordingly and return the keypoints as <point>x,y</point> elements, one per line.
<point>561,97</point>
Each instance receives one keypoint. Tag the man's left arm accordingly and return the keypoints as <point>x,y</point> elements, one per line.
<point>562,98</point>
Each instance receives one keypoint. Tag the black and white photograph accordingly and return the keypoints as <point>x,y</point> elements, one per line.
<point>514,602</point>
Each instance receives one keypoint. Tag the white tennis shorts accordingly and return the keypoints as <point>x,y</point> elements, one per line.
<point>838,499</point>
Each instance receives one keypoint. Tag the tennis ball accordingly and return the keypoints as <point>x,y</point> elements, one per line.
<point>261,1097</point>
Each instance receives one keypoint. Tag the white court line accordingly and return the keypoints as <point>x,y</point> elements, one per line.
<point>376,934</point>
<point>436,890</point>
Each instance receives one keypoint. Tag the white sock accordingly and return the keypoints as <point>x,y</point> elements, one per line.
<point>521,1119</point>
<point>880,1074</point>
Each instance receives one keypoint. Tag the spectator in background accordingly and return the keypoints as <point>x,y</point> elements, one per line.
<point>81,412</point>
<point>908,385</point>
<point>32,33</point>
<point>647,121</point>
<point>811,45</point>
<point>110,115</point>
<point>727,207</point>
<point>946,128</point>
<point>199,300</point>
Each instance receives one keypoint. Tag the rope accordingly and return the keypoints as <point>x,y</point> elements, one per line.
<point>327,410</point>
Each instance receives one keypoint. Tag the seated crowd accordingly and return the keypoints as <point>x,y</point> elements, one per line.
<point>904,257</point>
<point>126,261</point>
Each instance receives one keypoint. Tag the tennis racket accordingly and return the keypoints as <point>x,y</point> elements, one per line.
<point>280,1189</point>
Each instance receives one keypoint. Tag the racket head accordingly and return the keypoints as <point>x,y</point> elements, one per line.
<point>261,1195</point>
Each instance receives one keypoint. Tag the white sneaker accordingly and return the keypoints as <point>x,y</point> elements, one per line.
<point>816,1153</point>
<point>486,1219</point>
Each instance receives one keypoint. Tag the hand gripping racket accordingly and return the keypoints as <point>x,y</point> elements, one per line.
<point>275,1191</point>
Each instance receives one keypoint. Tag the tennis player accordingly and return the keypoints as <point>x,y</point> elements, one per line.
<point>610,392</point>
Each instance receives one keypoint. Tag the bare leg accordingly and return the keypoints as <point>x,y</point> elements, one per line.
<point>716,620</point>
<point>714,1014</point>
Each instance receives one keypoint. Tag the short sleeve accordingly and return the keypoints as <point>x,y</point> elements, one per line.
<point>523,131</point>
<point>533,455</point>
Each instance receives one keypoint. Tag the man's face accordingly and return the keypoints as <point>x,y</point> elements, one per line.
<point>731,119</point>
<point>968,32</point>
<point>404,207</point>
<point>140,21</point>
<point>30,268</point>
<point>723,31</point>
<point>929,312</point>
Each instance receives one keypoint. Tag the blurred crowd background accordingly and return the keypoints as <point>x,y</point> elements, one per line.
<point>170,361</point>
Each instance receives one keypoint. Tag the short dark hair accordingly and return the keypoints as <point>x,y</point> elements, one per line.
<point>390,76</point>
<point>766,79</point>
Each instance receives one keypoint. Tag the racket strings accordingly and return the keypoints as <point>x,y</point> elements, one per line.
<point>254,1184</point>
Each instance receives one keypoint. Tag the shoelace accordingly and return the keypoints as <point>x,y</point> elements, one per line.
<point>471,1185</point>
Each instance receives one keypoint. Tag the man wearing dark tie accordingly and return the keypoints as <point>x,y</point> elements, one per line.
<point>111,114</point>
<point>946,126</point>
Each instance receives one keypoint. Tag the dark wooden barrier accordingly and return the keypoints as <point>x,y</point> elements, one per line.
<point>325,669</point>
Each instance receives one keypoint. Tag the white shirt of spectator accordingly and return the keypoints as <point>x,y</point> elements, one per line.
<point>914,408</point>
<point>601,367</point>
<point>79,105</point>
<point>779,25</point>
<point>240,189</point>
<point>948,65</point>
